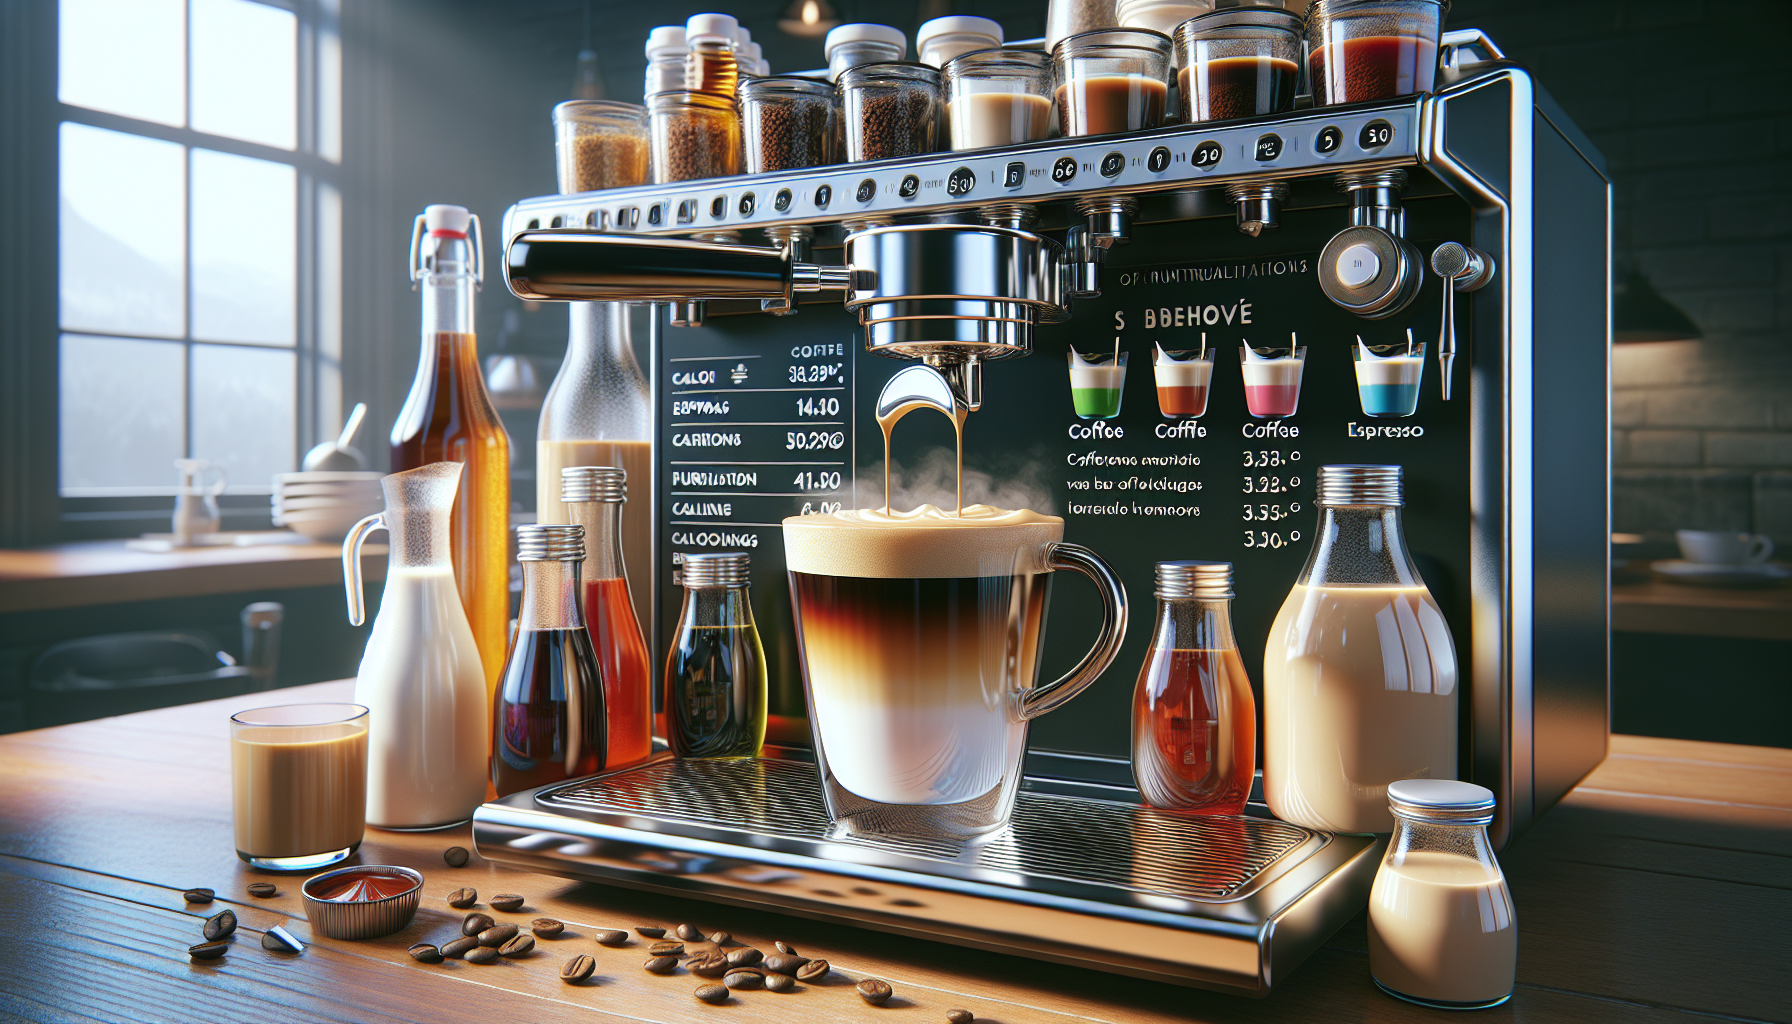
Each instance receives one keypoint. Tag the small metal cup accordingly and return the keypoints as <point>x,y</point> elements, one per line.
<point>367,919</point>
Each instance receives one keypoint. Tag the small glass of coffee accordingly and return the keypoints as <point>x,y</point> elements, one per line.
<point>1112,81</point>
<point>299,778</point>
<point>1238,62</point>
<point>998,98</point>
<point>1359,50</point>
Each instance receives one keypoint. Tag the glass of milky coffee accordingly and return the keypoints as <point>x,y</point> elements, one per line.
<point>920,636</point>
<point>299,779</point>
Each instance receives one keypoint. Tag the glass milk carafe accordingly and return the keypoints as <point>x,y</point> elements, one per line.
<point>1359,673</point>
<point>420,679</point>
<point>195,501</point>
<point>1441,927</point>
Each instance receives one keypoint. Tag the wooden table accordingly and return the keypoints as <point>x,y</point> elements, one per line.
<point>1658,891</point>
<point>1658,606</point>
<point>106,572</point>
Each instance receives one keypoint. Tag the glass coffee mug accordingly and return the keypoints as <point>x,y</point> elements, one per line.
<point>299,784</point>
<point>920,636</point>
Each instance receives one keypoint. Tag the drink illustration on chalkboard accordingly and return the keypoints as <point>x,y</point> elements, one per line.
<point>1182,381</point>
<point>1272,378</point>
<point>1097,383</point>
<point>1388,377</point>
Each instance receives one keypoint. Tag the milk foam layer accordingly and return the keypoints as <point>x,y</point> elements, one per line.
<point>1194,373</point>
<point>925,543</point>
<point>1260,372</point>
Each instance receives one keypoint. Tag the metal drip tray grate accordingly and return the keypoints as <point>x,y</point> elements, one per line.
<point>1088,842</point>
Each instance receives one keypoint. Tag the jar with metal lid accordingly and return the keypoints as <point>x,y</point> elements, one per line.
<point>787,122</point>
<point>848,46</point>
<point>1112,81</point>
<point>1359,50</point>
<point>1441,926</point>
<point>716,670</point>
<point>695,135</point>
<point>890,110</point>
<point>1239,62</point>
<point>600,144</point>
<point>998,98</point>
<point>942,39</point>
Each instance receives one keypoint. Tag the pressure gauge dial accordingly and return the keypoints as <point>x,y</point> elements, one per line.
<point>1370,272</point>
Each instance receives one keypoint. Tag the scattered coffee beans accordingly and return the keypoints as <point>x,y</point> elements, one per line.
<point>612,937</point>
<point>220,925</point>
<point>746,956</point>
<point>461,899</point>
<point>666,948</point>
<point>577,969</point>
<point>780,982</point>
<point>262,890</point>
<point>647,932</point>
<point>745,980</point>
<point>456,856</point>
<point>519,945</point>
<point>208,950</point>
<point>424,953</point>
<point>709,965</point>
<point>875,992</point>
<point>280,940</point>
<point>712,993</point>
<point>812,970</point>
<point>960,1017</point>
<point>497,935</point>
<point>720,938</point>
<point>779,963</point>
<point>785,948</point>
<point>506,901</point>
<point>661,965</point>
<point>546,927</point>
<point>198,895</point>
<point>459,947</point>
<point>688,933</point>
<point>481,955</point>
<point>476,923</point>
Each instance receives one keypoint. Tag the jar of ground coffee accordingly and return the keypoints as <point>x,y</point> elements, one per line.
<point>600,144</point>
<point>695,135</point>
<point>890,110</point>
<point>787,122</point>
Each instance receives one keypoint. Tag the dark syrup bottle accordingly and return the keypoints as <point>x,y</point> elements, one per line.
<point>716,671</point>
<point>548,722</point>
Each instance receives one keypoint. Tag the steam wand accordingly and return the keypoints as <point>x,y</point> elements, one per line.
<point>1463,270</point>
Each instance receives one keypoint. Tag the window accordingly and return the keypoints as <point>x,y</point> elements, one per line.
<point>199,280</point>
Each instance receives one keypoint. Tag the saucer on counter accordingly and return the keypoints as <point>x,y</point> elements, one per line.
<point>1753,574</point>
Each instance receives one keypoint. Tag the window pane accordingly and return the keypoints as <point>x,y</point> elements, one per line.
<point>243,412</point>
<point>245,61</point>
<point>124,56</point>
<point>244,249</point>
<point>123,208</point>
<point>120,416</point>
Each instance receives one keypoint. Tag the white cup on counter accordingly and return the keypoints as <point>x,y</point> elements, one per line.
<point>1717,547</point>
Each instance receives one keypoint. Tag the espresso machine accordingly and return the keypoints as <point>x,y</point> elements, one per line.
<point>1475,217</point>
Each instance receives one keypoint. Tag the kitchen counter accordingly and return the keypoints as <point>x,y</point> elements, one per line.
<point>1655,892</point>
<point>107,572</point>
<point>1657,606</point>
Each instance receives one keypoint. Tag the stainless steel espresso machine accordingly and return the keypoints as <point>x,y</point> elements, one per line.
<point>1477,217</point>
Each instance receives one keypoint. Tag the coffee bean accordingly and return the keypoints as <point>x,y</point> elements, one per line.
<point>280,940</point>
<point>785,948</point>
<point>424,953</point>
<point>481,955</point>
<point>812,970</point>
<point>456,856</point>
<point>650,933</point>
<point>780,982</point>
<point>497,935</point>
<point>709,965</point>
<point>667,948</point>
<point>746,956</point>
<point>612,937</point>
<point>262,890</point>
<point>198,895</point>
<point>547,927</point>
<point>577,969</point>
<point>506,901</point>
<point>778,963</point>
<point>662,964</point>
<point>720,938</point>
<point>712,993</point>
<point>689,933</point>
<point>220,925</point>
<point>744,980</point>
<point>458,947</point>
<point>875,992</point>
<point>520,945</point>
<point>960,1017</point>
<point>208,950</point>
<point>476,923</point>
<point>461,899</point>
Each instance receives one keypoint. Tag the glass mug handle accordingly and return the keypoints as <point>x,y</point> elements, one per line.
<point>1040,699</point>
<point>351,564</point>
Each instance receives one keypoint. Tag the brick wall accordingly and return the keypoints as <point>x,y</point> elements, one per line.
<point>1702,196</point>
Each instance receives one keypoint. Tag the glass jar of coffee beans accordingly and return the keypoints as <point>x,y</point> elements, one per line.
<point>890,110</point>
<point>787,122</point>
<point>695,135</point>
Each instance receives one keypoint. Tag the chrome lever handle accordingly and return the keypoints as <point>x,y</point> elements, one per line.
<point>1463,270</point>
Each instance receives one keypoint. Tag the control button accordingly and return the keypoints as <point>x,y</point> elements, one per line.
<point>1015,175</point>
<point>687,211</point>
<point>823,196</point>
<point>867,191</point>
<point>747,203</point>
<point>656,213</point>
<point>1064,170</point>
<point>1207,155</point>
<point>1330,138</point>
<point>908,188</point>
<point>781,201</point>
<point>962,180</point>
<point>1112,164</point>
<point>1358,265</point>
<point>718,207</point>
<point>1269,146</point>
<point>1159,160</point>
<point>1375,134</point>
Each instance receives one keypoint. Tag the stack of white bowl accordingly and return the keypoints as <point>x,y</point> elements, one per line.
<point>322,505</point>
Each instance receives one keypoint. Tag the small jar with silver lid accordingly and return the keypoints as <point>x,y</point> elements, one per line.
<point>716,671</point>
<point>1441,926</point>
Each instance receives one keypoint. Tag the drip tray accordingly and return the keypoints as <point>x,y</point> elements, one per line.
<point>1224,903</point>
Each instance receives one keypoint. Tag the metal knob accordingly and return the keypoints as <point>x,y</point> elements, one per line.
<point>1463,270</point>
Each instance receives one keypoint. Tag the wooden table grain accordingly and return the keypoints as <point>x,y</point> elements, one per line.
<point>1658,891</point>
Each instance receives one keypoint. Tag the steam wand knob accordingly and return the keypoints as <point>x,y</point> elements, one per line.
<point>1463,270</point>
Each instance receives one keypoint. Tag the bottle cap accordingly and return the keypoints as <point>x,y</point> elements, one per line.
<point>666,39</point>
<point>1441,801</point>
<point>593,483</point>
<point>710,28</point>
<point>717,569</point>
<point>957,24</point>
<point>555,543</point>
<point>753,52</point>
<point>446,220</point>
<point>860,32</point>
<point>1191,578</point>
<point>1359,485</point>
<point>742,35</point>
